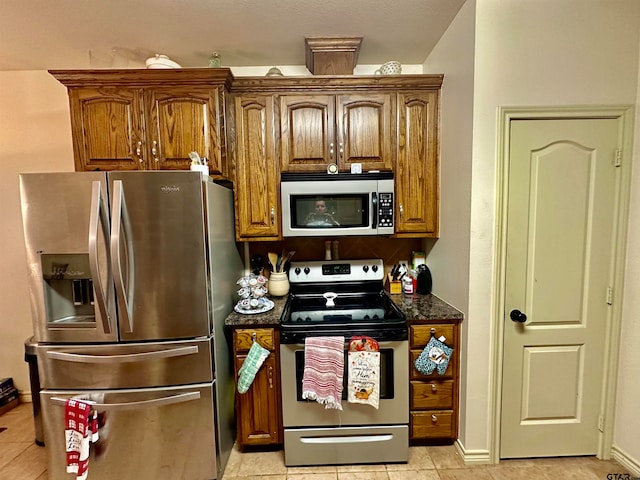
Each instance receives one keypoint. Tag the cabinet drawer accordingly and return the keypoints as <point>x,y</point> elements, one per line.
<point>435,394</point>
<point>419,335</point>
<point>243,338</point>
<point>416,375</point>
<point>436,424</point>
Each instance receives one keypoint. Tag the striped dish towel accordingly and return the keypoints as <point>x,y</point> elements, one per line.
<point>323,370</point>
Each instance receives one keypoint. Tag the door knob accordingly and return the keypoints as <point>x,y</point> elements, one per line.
<point>518,316</point>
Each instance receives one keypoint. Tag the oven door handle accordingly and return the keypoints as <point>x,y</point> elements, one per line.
<point>374,207</point>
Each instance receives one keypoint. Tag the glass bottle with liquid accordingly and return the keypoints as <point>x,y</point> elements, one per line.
<point>215,60</point>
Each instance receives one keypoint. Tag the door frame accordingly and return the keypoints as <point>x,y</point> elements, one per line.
<point>623,113</point>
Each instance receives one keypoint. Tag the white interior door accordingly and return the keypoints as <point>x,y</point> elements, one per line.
<point>559,269</point>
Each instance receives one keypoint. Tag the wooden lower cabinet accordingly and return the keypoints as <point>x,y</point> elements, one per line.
<point>433,399</point>
<point>258,411</point>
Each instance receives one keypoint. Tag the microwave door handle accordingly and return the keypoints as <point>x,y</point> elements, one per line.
<point>97,218</point>
<point>120,220</point>
<point>374,207</point>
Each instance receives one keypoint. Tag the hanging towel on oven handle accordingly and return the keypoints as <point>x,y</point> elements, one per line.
<point>435,356</point>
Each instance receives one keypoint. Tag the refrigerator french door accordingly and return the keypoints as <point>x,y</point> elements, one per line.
<point>131,277</point>
<point>98,243</point>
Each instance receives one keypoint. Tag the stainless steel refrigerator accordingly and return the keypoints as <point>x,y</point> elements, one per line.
<point>131,276</point>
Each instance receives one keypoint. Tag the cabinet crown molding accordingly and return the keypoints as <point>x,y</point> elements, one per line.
<point>199,77</point>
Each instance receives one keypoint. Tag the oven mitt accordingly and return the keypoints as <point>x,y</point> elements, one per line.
<point>435,356</point>
<point>255,358</point>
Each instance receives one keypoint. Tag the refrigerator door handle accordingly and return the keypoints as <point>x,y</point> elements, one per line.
<point>156,402</point>
<point>98,216</point>
<point>127,358</point>
<point>119,220</point>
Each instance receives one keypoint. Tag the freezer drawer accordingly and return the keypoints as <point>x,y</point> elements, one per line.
<point>162,434</point>
<point>133,365</point>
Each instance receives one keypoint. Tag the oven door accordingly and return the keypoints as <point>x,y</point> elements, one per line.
<point>394,392</point>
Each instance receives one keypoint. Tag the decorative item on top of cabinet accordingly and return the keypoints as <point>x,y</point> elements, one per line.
<point>259,416</point>
<point>320,129</point>
<point>147,119</point>
<point>433,399</point>
<point>417,168</point>
<point>256,174</point>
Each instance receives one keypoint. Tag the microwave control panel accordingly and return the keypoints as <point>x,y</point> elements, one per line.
<point>385,210</point>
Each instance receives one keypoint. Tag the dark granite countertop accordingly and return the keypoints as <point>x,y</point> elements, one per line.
<point>425,307</point>
<point>416,307</point>
<point>270,318</point>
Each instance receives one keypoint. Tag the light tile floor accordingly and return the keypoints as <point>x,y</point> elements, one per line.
<point>22,459</point>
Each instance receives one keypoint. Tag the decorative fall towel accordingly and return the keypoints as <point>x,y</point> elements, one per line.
<point>435,356</point>
<point>364,378</point>
<point>323,371</point>
<point>247,373</point>
<point>363,385</point>
<point>81,428</point>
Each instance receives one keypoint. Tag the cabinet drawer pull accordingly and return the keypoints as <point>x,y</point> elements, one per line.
<point>154,150</point>
<point>273,215</point>
<point>270,377</point>
<point>401,211</point>
<point>434,418</point>
<point>139,151</point>
<point>434,389</point>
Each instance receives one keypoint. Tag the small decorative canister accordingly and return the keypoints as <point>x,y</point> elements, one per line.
<point>278,284</point>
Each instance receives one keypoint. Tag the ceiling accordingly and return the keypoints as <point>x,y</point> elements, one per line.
<point>70,34</point>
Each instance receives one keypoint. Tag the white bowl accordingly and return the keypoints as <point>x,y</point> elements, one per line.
<point>161,61</point>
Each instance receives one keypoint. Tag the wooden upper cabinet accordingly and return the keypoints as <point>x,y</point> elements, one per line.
<point>417,167</point>
<point>182,120</point>
<point>364,130</point>
<point>318,129</point>
<point>106,128</point>
<point>256,175</point>
<point>147,119</point>
<point>307,124</point>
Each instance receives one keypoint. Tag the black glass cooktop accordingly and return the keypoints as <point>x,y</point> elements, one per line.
<point>340,310</point>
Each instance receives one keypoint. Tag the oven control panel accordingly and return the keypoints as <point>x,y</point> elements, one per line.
<point>336,271</point>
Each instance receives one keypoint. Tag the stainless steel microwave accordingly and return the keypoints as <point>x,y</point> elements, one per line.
<point>320,204</point>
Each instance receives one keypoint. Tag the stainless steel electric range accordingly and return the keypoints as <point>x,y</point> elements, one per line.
<point>344,298</point>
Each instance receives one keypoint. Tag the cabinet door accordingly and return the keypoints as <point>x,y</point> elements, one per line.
<point>182,120</point>
<point>417,166</point>
<point>257,176</point>
<point>107,129</point>
<point>364,131</point>
<point>259,408</point>
<point>307,132</point>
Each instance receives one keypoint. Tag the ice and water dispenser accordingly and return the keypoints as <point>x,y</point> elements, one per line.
<point>68,289</point>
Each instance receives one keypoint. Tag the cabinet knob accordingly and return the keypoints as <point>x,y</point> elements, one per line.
<point>154,150</point>
<point>331,150</point>
<point>270,377</point>
<point>434,389</point>
<point>434,418</point>
<point>273,215</point>
<point>401,210</point>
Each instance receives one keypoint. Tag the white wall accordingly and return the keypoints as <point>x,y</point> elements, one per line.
<point>448,259</point>
<point>540,52</point>
<point>35,135</point>
<point>627,423</point>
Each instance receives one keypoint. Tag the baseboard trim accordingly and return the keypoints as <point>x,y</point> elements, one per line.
<point>626,461</point>
<point>25,397</point>
<point>473,457</point>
